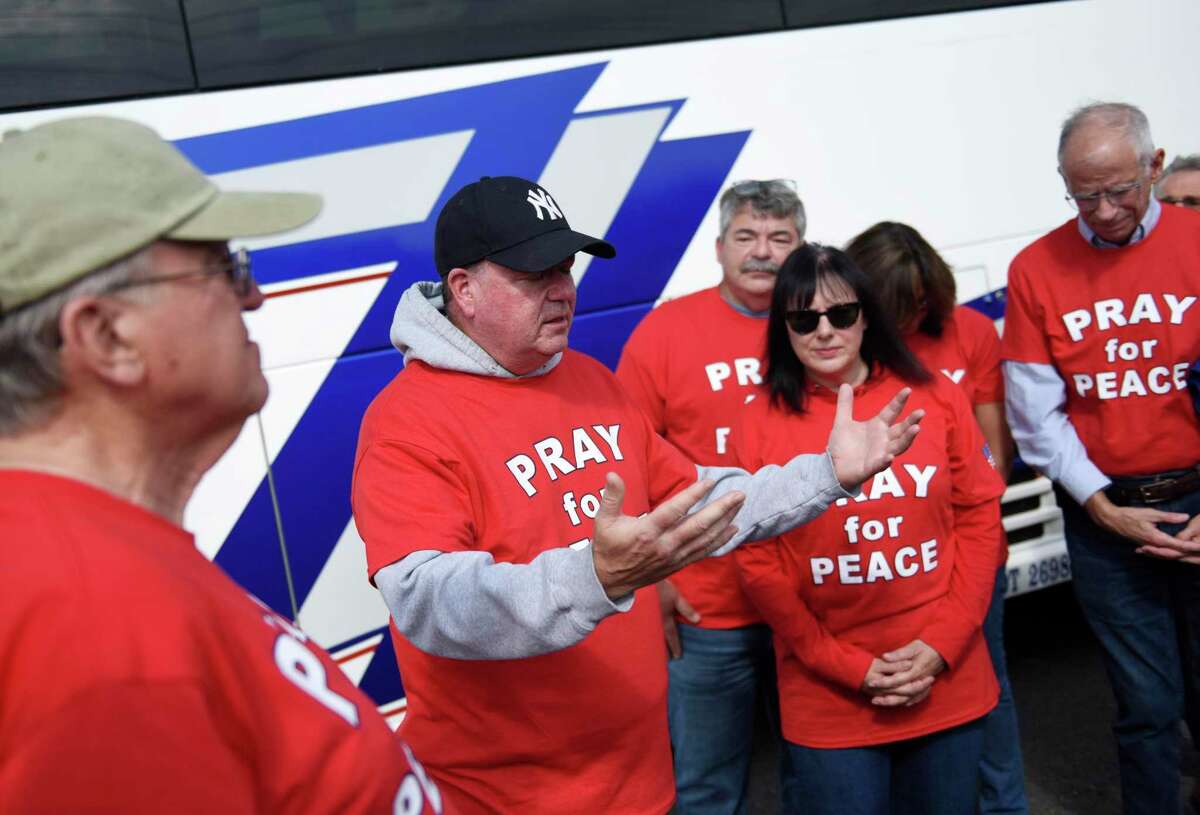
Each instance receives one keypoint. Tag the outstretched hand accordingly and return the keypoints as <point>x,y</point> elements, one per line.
<point>861,449</point>
<point>633,552</point>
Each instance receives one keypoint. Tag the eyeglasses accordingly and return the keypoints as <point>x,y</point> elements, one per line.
<point>806,320</point>
<point>1192,201</point>
<point>1114,195</point>
<point>236,267</point>
<point>751,187</point>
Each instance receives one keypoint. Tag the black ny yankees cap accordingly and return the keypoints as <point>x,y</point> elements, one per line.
<point>509,221</point>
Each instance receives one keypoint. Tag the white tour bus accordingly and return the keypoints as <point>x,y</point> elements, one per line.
<point>635,115</point>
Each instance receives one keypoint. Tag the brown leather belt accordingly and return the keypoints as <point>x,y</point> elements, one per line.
<point>1154,492</point>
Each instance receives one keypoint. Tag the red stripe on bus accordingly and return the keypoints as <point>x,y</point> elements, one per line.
<point>326,285</point>
<point>353,654</point>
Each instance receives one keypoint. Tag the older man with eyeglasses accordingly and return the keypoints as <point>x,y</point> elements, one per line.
<point>690,365</point>
<point>1102,326</point>
<point>136,677</point>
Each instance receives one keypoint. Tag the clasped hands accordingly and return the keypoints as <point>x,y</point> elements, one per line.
<point>1140,524</point>
<point>903,677</point>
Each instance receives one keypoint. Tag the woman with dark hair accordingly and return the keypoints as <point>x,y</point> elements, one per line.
<point>916,285</point>
<point>876,605</point>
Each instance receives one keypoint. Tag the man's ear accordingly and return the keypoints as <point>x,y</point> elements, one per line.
<point>462,291</point>
<point>1156,165</point>
<point>99,336</point>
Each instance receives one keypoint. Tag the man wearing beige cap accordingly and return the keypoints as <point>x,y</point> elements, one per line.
<point>135,676</point>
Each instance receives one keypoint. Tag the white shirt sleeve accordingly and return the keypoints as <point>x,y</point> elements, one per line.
<point>1035,399</point>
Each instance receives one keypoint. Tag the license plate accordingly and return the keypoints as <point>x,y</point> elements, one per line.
<point>1037,574</point>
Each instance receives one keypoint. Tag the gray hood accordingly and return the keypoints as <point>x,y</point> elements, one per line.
<point>420,330</point>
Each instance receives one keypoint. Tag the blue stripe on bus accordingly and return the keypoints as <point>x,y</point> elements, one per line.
<point>312,479</point>
<point>382,680</point>
<point>521,104</point>
<point>991,304</point>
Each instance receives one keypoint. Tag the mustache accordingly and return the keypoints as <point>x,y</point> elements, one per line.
<point>756,265</point>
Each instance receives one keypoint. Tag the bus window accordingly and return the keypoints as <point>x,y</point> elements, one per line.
<point>805,13</point>
<point>240,42</point>
<point>79,50</point>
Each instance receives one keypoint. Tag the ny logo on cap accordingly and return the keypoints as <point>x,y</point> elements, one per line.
<point>541,200</point>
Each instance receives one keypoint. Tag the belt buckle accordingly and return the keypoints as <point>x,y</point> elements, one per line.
<point>1149,493</point>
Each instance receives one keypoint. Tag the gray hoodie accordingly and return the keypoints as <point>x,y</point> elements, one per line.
<point>464,605</point>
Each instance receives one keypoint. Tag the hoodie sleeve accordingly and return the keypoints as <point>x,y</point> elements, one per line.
<point>447,597</point>
<point>464,605</point>
<point>778,497</point>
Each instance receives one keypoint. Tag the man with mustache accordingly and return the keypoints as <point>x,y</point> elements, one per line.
<point>513,499</point>
<point>690,365</point>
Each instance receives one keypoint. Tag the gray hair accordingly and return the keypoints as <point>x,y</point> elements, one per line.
<point>31,375</point>
<point>1178,164</point>
<point>1129,119</point>
<point>776,198</point>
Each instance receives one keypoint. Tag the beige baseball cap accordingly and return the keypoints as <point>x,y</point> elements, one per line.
<point>78,194</point>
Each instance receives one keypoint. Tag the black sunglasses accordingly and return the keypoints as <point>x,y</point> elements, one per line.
<point>805,320</point>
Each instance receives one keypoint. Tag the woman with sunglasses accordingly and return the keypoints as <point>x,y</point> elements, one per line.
<point>915,284</point>
<point>876,605</point>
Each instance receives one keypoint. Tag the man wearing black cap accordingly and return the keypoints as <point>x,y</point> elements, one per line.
<point>490,483</point>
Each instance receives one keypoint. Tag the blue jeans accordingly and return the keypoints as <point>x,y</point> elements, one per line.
<point>1002,772</point>
<point>936,774</point>
<point>1146,614</point>
<point>713,689</point>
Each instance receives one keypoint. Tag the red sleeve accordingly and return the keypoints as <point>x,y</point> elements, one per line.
<point>978,536</point>
<point>1024,340</point>
<point>146,747</point>
<point>763,573</point>
<point>408,499</point>
<point>983,358</point>
<point>641,371</point>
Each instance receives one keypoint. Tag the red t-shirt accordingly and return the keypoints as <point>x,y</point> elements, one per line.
<point>451,462</point>
<point>1121,326</point>
<point>913,557</point>
<point>690,364</point>
<point>968,352</point>
<point>136,677</point>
